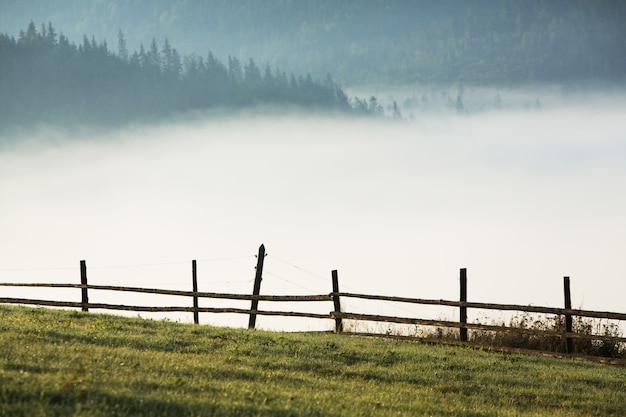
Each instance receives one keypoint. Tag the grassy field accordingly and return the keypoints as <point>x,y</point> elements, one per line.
<point>61,363</point>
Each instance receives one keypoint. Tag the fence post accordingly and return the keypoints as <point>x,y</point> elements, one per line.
<point>336,302</point>
<point>257,286</point>
<point>194,276</point>
<point>463,309</point>
<point>569,343</point>
<point>83,283</point>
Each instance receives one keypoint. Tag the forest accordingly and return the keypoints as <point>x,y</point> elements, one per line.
<point>113,61</point>
<point>45,78</point>
<point>386,42</point>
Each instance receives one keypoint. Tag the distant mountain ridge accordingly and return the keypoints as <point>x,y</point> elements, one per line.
<point>483,42</point>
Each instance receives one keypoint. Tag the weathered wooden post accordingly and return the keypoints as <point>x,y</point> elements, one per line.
<point>336,302</point>
<point>257,286</point>
<point>569,343</point>
<point>196,318</point>
<point>463,309</point>
<point>83,286</point>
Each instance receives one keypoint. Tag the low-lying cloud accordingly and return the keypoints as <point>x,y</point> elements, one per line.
<point>519,198</point>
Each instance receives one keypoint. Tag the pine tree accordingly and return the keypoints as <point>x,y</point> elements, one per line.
<point>122,51</point>
<point>252,74</point>
<point>395,111</point>
<point>235,73</point>
<point>171,60</point>
<point>153,58</point>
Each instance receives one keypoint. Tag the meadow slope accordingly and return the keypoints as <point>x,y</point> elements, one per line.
<point>64,363</point>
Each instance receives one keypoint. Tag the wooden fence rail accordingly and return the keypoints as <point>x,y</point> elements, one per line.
<point>336,314</point>
<point>491,306</point>
<point>474,326</point>
<point>199,294</point>
<point>147,309</point>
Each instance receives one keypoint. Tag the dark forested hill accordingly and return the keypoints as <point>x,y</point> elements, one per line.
<point>503,42</point>
<point>45,78</point>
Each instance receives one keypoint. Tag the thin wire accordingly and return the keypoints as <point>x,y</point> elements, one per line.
<point>388,303</point>
<point>37,269</point>
<point>138,265</point>
<point>325,279</point>
<point>173,263</point>
<point>248,281</point>
<point>301,269</point>
<point>290,282</point>
<point>126,266</point>
<point>356,307</point>
<point>234,258</point>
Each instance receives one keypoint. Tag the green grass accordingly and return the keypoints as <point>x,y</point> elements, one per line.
<point>61,363</point>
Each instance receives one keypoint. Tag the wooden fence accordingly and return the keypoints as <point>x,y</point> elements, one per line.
<point>336,314</point>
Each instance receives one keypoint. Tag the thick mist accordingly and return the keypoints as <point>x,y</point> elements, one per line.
<point>520,198</point>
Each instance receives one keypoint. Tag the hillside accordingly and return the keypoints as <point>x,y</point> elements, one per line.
<point>485,42</point>
<point>58,363</point>
<point>46,79</point>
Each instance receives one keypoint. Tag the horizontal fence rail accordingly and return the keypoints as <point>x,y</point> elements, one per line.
<point>310,298</point>
<point>472,326</point>
<point>491,306</point>
<point>336,314</point>
<point>199,294</point>
<point>147,309</point>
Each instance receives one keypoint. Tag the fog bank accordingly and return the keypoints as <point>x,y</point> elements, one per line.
<point>520,198</point>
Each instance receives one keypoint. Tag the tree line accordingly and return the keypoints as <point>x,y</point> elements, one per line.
<point>45,78</point>
<point>361,42</point>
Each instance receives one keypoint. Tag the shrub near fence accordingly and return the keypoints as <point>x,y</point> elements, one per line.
<point>571,330</point>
